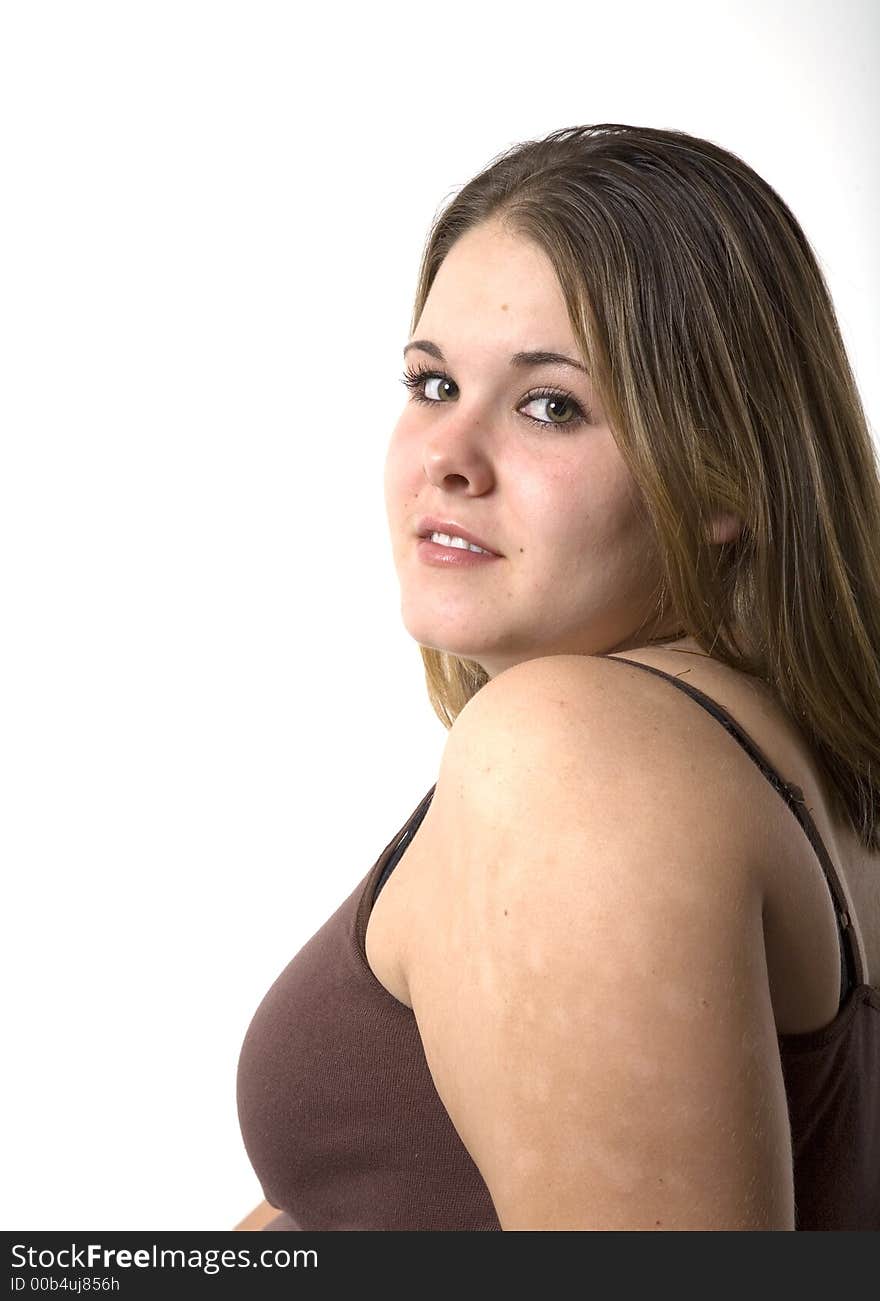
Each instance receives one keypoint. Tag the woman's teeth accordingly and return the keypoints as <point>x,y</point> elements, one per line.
<point>446,541</point>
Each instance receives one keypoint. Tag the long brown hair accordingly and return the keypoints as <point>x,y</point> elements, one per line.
<point>712,341</point>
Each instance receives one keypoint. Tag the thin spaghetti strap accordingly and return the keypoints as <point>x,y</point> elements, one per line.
<point>794,798</point>
<point>406,835</point>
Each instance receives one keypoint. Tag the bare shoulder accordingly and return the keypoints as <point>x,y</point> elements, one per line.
<point>549,696</point>
<point>548,733</point>
<point>557,690</point>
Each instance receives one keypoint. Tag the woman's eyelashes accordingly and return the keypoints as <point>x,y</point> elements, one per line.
<point>415,378</point>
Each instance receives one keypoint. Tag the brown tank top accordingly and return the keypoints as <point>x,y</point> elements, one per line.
<point>345,1130</point>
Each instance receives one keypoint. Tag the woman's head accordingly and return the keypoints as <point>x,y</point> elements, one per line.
<point>723,486</point>
<point>520,455</point>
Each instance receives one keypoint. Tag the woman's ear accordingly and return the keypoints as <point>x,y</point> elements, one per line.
<point>725,528</point>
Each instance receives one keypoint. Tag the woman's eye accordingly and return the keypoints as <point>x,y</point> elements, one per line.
<point>438,394</point>
<point>555,402</point>
<point>435,387</point>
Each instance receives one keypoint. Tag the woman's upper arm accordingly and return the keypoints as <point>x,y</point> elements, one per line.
<point>594,1006</point>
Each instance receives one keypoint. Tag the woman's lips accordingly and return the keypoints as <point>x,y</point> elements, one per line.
<point>434,553</point>
<point>451,529</point>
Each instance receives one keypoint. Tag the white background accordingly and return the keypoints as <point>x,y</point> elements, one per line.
<point>212,718</point>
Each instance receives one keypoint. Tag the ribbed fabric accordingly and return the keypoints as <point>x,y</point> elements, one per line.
<point>338,1111</point>
<point>345,1130</point>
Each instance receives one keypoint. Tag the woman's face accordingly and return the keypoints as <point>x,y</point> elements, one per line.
<point>551,494</point>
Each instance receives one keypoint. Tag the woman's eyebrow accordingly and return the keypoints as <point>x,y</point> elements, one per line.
<point>521,359</point>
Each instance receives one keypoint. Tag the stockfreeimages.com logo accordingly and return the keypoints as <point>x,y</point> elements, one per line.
<point>210,1261</point>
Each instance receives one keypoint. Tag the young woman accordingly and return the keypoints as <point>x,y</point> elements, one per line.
<point>620,969</point>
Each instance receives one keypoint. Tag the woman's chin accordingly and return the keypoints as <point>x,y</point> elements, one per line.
<point>464,646</point>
